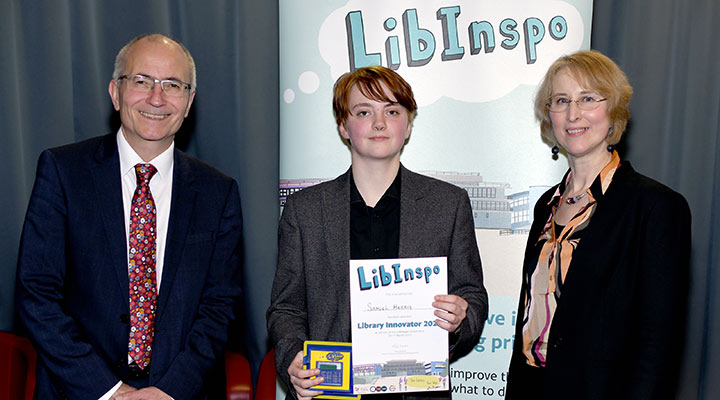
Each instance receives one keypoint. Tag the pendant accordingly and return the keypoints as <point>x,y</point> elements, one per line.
<point>575,199</point>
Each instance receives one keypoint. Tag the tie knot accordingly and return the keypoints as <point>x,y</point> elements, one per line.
<point>144,172</point>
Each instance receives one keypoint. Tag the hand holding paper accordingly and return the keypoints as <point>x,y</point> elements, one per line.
<point>451,311</point>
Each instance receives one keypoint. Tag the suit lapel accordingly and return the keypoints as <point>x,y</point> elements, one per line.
<point>108,189</point>
<point>336,231</point>
<point>589,264</point>
<point>411,192</point>
<point>336,220</point>
<point>181,211</point>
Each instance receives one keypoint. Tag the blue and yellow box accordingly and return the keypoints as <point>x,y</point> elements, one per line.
<point>334,360</point>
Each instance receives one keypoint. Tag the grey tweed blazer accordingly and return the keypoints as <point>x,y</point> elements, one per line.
<point>310,297</point>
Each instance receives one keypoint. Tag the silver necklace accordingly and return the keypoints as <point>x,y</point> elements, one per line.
<point>575,199</point>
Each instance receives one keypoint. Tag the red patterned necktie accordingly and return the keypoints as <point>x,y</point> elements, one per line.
<point>141,269</point>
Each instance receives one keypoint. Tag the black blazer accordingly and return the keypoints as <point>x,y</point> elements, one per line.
<point>618,328</point>
<point>72,281</point>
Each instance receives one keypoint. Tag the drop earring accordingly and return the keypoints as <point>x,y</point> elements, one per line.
<point>610,148</point>
<point>555,150</point>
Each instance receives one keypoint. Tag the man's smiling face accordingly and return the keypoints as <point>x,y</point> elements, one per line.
<point>152,118</point>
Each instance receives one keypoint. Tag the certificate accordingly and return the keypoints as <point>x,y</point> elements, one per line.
<point>396,345</point>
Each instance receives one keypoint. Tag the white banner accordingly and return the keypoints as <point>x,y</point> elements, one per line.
<point>473,66</point>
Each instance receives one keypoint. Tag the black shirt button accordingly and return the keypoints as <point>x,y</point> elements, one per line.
<point>124,318</point>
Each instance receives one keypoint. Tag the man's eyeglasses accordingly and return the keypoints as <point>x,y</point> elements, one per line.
<point>585,103</point>
<point>145,84</point>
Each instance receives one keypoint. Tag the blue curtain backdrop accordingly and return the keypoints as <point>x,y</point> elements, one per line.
<point>57,58</point>
<point>670,52</point>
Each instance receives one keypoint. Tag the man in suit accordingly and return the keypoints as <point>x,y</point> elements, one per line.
<point>377,209</point>
<point>130,256</point>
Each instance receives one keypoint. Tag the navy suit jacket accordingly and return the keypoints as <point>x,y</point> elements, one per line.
<point>72,281</point>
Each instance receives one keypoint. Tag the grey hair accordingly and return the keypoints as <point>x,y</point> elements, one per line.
<point>121,58</point>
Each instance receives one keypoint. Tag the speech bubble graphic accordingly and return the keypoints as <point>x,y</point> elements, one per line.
<point>494,46</point>
<point>308,82</point>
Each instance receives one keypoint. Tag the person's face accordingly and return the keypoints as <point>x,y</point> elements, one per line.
<point>152,118</point>
<point>580,133</point>
<point>376,130</point>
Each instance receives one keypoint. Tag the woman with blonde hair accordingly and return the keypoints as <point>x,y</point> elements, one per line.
<point>604,284</point>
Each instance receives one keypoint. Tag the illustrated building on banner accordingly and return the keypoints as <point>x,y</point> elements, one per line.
<point>492,208</point>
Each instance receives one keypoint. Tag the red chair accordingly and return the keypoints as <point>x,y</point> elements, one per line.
<point>267,378</point>
<point>18,360</point>
<point>238,377</point>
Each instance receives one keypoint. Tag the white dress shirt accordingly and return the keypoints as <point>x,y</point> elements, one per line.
<point>161,189</point>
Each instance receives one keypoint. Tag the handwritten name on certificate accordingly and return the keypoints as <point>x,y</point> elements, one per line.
<point>396,345</point>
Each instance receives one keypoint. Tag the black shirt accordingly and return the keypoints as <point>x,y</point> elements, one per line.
<point>375,231</point>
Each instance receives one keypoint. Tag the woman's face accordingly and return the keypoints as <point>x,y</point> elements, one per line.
<point>582,133</point>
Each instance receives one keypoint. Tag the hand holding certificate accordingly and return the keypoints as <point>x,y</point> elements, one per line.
<point>396,344</point>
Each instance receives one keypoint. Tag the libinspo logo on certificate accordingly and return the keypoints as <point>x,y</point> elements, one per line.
<point>396,345</point>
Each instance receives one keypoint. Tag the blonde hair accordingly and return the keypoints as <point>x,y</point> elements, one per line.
<point>596,72</point>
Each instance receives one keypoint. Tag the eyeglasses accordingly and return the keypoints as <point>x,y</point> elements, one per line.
<point>585,103</point>
<point>145,84</point>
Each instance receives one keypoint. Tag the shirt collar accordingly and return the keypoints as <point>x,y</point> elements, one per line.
<point>599,186</point>
<point>392,192</point>
<point>129,158</point>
